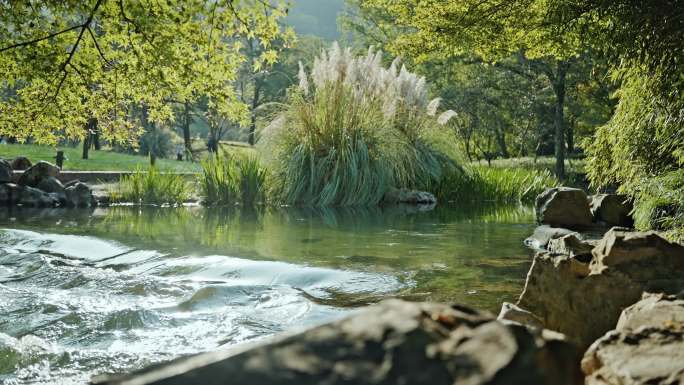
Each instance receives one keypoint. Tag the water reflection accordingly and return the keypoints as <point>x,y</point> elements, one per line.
<point>469,254</point>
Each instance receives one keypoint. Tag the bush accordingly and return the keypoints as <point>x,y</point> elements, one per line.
<point>496,184</point>
<point>641,150</point>
<point>357,130</point>
<point>230,179</point>
<point>152,187</point>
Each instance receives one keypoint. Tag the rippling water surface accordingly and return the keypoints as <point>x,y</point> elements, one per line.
<point>112,290</point>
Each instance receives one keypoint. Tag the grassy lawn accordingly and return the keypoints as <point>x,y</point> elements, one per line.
<point>530,163</point>
<point>99,160</point>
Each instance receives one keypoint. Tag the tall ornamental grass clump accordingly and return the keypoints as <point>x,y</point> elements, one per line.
<point>354,128</point>
<point>232,179</point>
<point>496,185</point>
<point>152,187</point>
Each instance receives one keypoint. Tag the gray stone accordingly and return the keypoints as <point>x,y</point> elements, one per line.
<point>51,185</point>
<point>646,356</point>
<point>32,197</point>
<point>6,171</point>
<point>6,190</point>
<point>403,195</point>
<point>37,173</point>
<point>395,342</point>
<point>563,207</point>
<point>545,233</point>
<point>79,195</point>
<point>584,300</point>
<point>573,246</point>
<point>21,163</point>
<point>612,210</point>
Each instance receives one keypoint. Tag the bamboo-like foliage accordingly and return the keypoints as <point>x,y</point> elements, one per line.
<point>152,187</point>
<point>232,179</point>
<point>352,129</point>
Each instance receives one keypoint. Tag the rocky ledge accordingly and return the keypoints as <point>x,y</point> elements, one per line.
<point>39,186</point>
<point>394,342</point>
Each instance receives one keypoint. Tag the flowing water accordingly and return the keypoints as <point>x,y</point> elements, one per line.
<point>113,290</point>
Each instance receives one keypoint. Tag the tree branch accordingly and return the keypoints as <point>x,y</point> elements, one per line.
<point>41,38</point>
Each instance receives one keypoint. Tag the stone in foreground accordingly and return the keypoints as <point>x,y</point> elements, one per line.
<point>564,207</point>
<point>5,171</point>
<point>395,342</point>
<point>646,348</point>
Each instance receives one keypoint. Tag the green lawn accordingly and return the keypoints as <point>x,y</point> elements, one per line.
<point>99,160</point>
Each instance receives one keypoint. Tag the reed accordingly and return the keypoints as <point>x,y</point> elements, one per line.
<point>232,179</point>
<point>152,187</point>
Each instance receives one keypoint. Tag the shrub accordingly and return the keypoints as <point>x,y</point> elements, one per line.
<point>641,149</point>
<point>355,131</point>
<point>230,179</point>
<point>495,184</point>
<point>152,187</point>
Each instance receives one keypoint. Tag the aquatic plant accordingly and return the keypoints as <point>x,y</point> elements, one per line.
<point>232,179</point>
<point>353,129</point>
<point>495,184</point>
<point>152,187</point>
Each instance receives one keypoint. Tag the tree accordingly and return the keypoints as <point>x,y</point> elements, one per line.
<point>492,30</point>
<point>67,62</point>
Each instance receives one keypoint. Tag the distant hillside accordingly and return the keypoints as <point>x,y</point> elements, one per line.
<point>315,17</point>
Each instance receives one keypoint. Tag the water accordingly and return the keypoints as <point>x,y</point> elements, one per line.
<point>84,292</point>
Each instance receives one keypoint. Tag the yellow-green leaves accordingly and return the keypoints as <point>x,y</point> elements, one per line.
<point>104,58</point>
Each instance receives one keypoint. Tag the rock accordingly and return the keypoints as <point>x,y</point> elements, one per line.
<point>38,172</point>
<point>564,207</point>
<point>6,171</point>
<point>573,246</point>
<point>404,195</point>
<point>646,356</point>
<point>511,312</point>
<point>71,183</point>
<point>51,185</point>
<point>79,195</point>
<point>645,257</point>
<point>6,193</point>
<point>394,342</point>
<point>654,310</point>
<point>543,234</point>
<point>32,197</point>
<point>566,298</point>
<point>21,163</point>
<point>584,301</point>
<point>612,210</point>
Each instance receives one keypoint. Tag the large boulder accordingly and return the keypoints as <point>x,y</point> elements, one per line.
<point>612,210</point>
<point>645,257</point>
<point>21,163</point>
<point>564,207</point>
<point>584,300</point>
<point>36,173</point>
<point>404,195</point>
<point>395,342</point>
<point>79,195</point>
<point>646,348</point>
<point>6,171</point>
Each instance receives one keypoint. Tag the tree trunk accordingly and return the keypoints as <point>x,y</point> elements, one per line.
<point>86,146</point>
<point>90,128</point>
<point>255,103</point>
<point>570,135</point>
<point>559,89</point>
<point>186,132</point>
<point>501,140</point>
